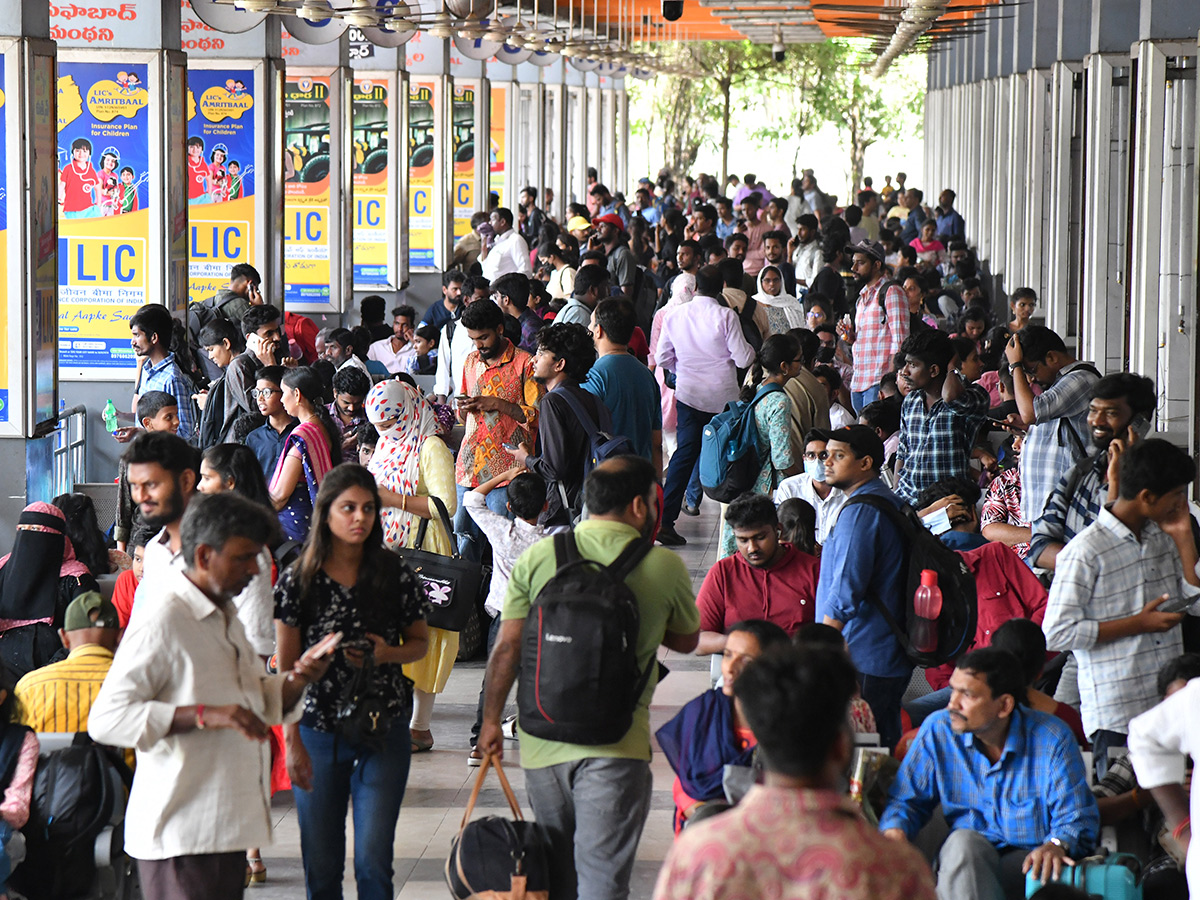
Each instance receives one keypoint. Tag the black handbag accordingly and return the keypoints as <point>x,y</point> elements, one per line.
<point>362,716</point>
<point>495,857</point>
<point>451,583</point>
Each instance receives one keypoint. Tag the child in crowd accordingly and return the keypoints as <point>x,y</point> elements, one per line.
<point>128,580</point>
<point>425,341</point>
<point>156,411</point>
<point>267,440</point>
<point>368,440</point>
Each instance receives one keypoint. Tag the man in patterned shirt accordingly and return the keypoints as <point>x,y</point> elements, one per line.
<point>498,400</point>
<point>939,418</point>
<point>1121,589</point>
<point>797,702</point>
<point>880,323</point>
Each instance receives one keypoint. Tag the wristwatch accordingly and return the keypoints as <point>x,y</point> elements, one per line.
<point>1012,367</point>
<point>1059,844</point>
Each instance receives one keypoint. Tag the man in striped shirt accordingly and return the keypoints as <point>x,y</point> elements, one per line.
<point>58,697</point>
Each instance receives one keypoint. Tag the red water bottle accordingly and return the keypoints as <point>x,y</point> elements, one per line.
<point>927,606</point>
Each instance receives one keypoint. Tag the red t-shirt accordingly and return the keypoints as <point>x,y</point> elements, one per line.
<point>197,178</point>
<point>77,183</point>
<point>639,346</point>
<point>784,593</point>
<point>122,597</point>
<point>302,331</point>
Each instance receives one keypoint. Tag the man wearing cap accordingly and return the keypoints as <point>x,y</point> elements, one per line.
<point>58,697</point>
<point>507,251</point>
<point>880,323</point>
<point>610,237</point>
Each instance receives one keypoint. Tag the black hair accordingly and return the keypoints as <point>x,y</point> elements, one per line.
<point>780,236</point>
<point>1156,466</point>
<point>427,333</point>
<point>817,434</point>
<point>1184,667</point>
<point>965,488</point>
<point>734,238</point>
<point>796,701</point>
<point>598,255</point>
<point>325,371</point>
<point>572,344</point>
<point>808,342</point>
<point>617,317</point>
<point>751,510</point>
<point>818,634</point>
<point>154,320</point>
<point>963,347</point>
<point>1024,293</point>
<point>213,519</point>
<point>768,634</point>
<point>863,442</point>
<point>170,451</point>
<point>1037,341</point>
<point>151,403</point>
<point>975,314</point>
<point>140,537</point>
<point>306,380</point>
<point>1136,390</point>
<point>906,272</point>
<point>237,463</point>
<point>798,524</point>
<point>527,495</point>
<point>257,316</point>
<point>831,375</point>
<point>476,283</point>
<point>732,272</point>
<point>482,316</point>
<point>882,414</point>
<point>81,527</point>
<point>342,337</point>
<point>351,380</point>
<point>404,312</point>
<point>808,220</point>
<point>366,436</point>
<point>371,308</point>
<point>853,215</point>
<point>270,374</point>
<point>452,275</point>
<point>777,351</point>
<point>999,668</point>
<point>708,210</point>
<point>1025,640</point>
<point>515,287</point>
<point>218,331</point>
<point>616,482</point>
<point>588,277</point>
<point>709,281</point>
<point>531,191</point>
<point>931,347</point>
<point>504,213</point>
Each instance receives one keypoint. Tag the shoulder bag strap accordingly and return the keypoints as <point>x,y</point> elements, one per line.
<point>488,762</point>
<point>893,515</point>
<point>444,516</point>
<point>631,557</point>
<point>589,424</point>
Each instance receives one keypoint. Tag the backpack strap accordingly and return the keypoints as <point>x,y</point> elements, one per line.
<point>590,425</point>
<point>566,552</point>
<point>631,557</point>
<point>898,519</point>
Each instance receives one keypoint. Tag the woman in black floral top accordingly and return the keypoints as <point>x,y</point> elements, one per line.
<point>346,580</point>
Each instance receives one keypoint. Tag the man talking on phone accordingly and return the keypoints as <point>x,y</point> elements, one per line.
<point>188,691</point>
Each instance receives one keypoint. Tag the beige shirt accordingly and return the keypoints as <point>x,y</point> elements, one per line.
<point>204,791</point>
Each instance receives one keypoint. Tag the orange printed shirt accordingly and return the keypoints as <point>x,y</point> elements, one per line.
<point>482,455</point>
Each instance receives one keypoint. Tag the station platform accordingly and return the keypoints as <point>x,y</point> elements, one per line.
<point>440,781</point>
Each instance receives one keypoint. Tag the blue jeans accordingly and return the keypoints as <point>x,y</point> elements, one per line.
<point>470,538</point>
<point>375,780</point>
<point>694,493</point>
<point>859,399</point>
<point>923,707</point>
<point>1101,741</point>
<point>884,694</point>
<point>689,428</point>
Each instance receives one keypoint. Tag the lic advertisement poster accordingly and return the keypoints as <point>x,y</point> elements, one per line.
<point>369,127</point>
<point>496,154</point>
<point>306,212</point>
<point>462,147</point>
<point>220,176</point>
<point>103,215</point>
<point>4,323</point>
<point>422,196</point>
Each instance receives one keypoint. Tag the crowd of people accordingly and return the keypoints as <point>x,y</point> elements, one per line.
<point>559,397</point>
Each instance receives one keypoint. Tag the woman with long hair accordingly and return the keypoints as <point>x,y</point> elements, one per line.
<point>346,580</point>
<point>234,467</point>
<point>563,255</point>
<point>310,451</point>
<point>83,531</point>
<point>411,464</point>
<point>777,361</point>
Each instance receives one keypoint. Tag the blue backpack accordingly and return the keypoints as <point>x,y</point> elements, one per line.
<point>730,457</point>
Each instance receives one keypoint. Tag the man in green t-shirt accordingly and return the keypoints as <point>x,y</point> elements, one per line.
<point>593,800</point>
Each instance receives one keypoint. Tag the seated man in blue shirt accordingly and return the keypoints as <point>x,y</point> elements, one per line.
<point>861,566</point>
<point>1010,782</point>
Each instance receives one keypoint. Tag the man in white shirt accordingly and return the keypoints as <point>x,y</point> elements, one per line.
<point>507,251</point>
<point>339,350</point>
<point>701,343</point>
<point>187,690</point>
<point>811,487</point>
<point>396,351</point>
<point>455,344</point>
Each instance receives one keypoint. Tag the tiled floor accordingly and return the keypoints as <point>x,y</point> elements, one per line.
<point>440,782</point>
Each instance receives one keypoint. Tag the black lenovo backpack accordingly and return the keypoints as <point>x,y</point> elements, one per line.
<point>923,550</point>
<point>580,679</point>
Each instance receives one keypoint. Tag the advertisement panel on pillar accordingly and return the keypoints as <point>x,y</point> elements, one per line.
<point>306,205</point>
<point>462,148</point>
<point>42,254</point>
<point>221,151</point>
<point>496,141</point>
<point>369,148</point>
<point>5,331</point>
<point>422,192</point>
<point>103,210</point>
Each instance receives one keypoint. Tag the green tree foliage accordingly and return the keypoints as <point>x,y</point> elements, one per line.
<point>795,86</point>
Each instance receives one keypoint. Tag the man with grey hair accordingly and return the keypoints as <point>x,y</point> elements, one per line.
<point>188,691</point>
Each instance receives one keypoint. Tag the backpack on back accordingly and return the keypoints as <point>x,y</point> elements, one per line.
<point>580,680</point>
<point>730,458</point>
<point>200,314</point>
<point>923,550</point>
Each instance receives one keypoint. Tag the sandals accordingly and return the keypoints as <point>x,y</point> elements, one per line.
<point>421,744</point>
<point>256,872</point>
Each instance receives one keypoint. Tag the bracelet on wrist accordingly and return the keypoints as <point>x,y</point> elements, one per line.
<point>200,726</point>
<point>1183,826</point>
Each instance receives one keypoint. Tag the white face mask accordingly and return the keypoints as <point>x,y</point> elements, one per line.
<point>815,469</point>
<point>390,430</point>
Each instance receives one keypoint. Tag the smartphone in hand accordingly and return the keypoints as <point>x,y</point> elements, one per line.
<point>325,646</point>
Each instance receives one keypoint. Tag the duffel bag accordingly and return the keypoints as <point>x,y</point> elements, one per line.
<point>495,858</point>
<point>1108,876</point>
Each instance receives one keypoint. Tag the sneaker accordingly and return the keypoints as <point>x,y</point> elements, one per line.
<point>475,759</point>
<point>669,537</point>
<point>690,510</point>
<point>509,727</point>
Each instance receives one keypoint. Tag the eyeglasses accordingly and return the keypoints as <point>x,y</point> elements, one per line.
<point>264,392</point>
<point>822,455</point>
